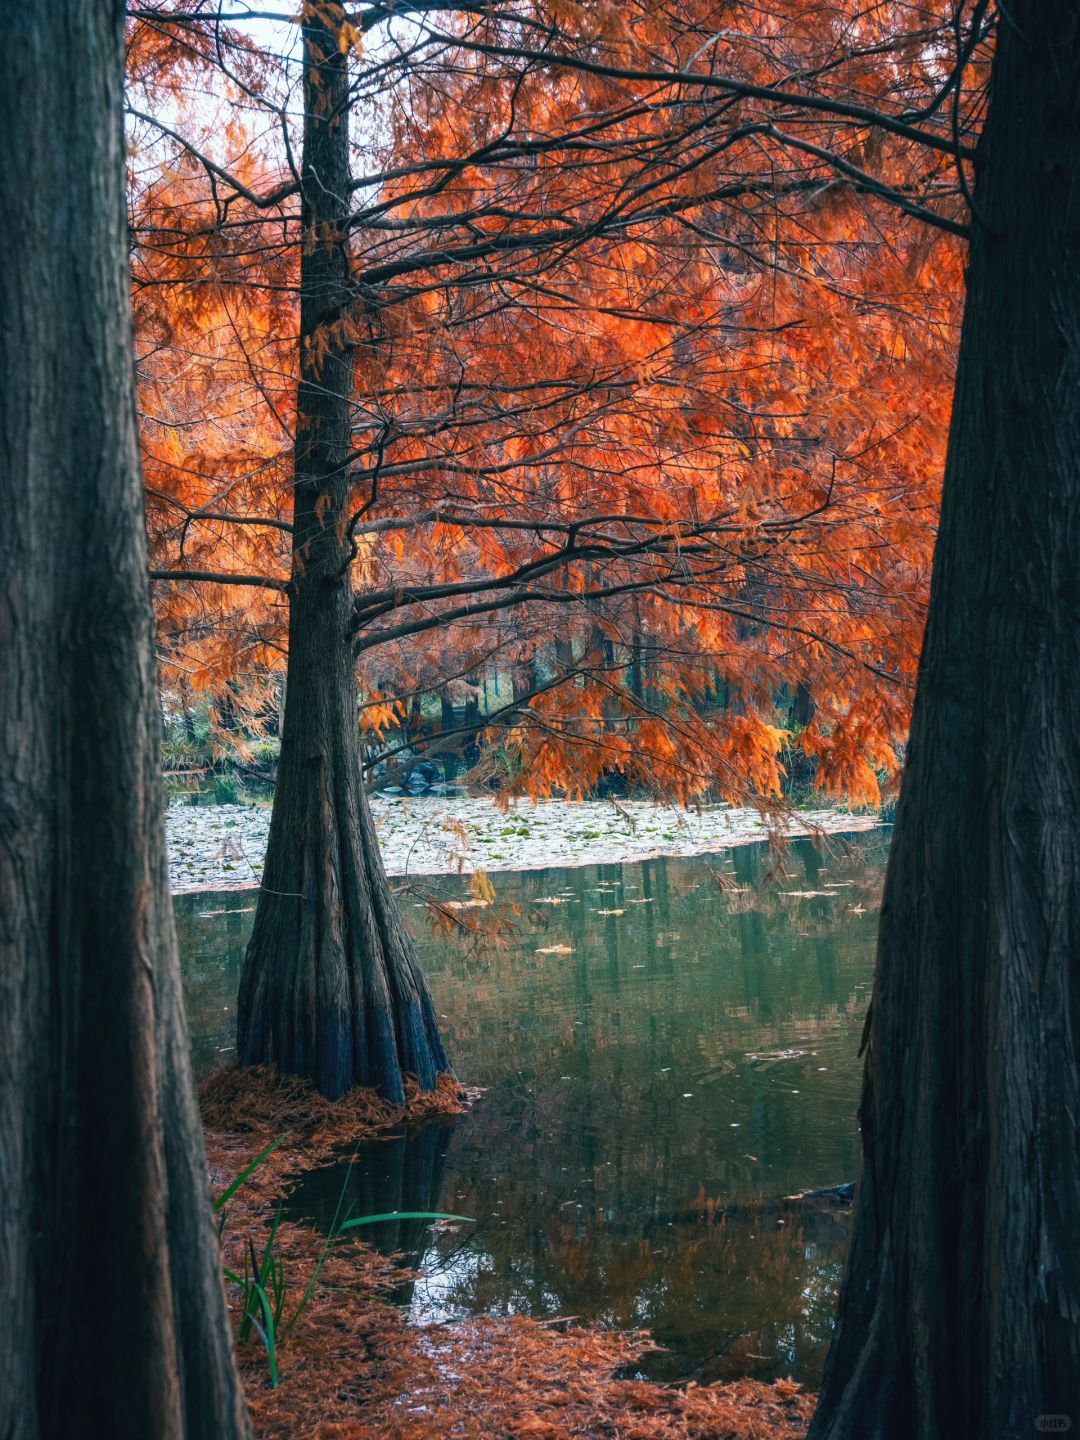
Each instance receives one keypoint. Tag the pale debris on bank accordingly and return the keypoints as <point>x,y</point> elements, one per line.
<point>221,847</point>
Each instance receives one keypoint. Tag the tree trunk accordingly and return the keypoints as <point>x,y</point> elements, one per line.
<point>189,718</point>
<point>636,674</point>
<point>802,705</point>
<point>960,1309</point>
<point>564,654</point>
<point>473,719</point>
<point>110,1282</point>
<point>331,988</point>
<point>414,725</point>
<point>524,678</point>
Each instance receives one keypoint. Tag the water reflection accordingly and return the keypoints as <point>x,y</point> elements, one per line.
<point>669,1050</point>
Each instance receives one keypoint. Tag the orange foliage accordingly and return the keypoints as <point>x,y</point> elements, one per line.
<point>654,367</point>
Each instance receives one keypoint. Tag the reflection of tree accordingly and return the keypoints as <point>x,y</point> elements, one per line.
<point>595,1180</point>
<point>599,1220</point>
<point>400,1171</point>
<point>212,932</point>
<point>697,1006</point>
<point>726,1289</point>
<point>582,1161</point>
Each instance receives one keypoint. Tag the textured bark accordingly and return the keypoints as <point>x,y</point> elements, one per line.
<point>110,1284</point>
<point>960,1310</point>
<point>524,679</point>
<point>331,988</point>
<point>802,706</point>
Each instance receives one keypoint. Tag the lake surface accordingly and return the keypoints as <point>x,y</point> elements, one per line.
<point>667,1052</point>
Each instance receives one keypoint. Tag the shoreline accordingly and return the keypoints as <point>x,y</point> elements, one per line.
<point>221,847</point>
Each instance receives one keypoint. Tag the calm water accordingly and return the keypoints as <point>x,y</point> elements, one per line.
<point>668,1052</point>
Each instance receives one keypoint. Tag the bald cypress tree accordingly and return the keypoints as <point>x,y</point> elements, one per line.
<point>331,987</point>
<point>110,1284</point>
<point>960,1310</point>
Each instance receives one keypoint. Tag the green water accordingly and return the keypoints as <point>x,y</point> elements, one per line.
<point>658,1077</point>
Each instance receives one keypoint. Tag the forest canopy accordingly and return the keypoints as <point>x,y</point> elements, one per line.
<point>651,333</point>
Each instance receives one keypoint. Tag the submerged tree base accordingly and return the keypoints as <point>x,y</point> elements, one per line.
<point>246,1108</point>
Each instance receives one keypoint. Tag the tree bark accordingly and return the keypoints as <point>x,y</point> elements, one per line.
<point>110,1282</point>
<point>524,678</point>
<point>960,1309</point>
<point>331,988</point>
<point>802,705</point>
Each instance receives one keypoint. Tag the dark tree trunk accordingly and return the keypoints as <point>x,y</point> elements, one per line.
<point>414,725</point>
<point>448,719</point>
<point>524,679</point>
<point>472,718</point>
<point>636,675</point>
<point>472,704</point>
<point>960,1311</point>
<point>331,988</point>
<point>277,709</point>
<point>802,705</point>
<point>225,706</point>
<point>110,1282</point>
<point>189,718</point>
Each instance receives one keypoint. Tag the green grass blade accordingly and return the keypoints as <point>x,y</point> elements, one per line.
<point>402,1215</point>
<point>268,1334</point>
<point>332,1234</point>
<point>268,1253</point>
<point>227,1194</point>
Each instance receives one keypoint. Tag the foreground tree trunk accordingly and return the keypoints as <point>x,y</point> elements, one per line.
<point>110,1286</point>
<point>331,988</point>
<point>960,1310</point>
